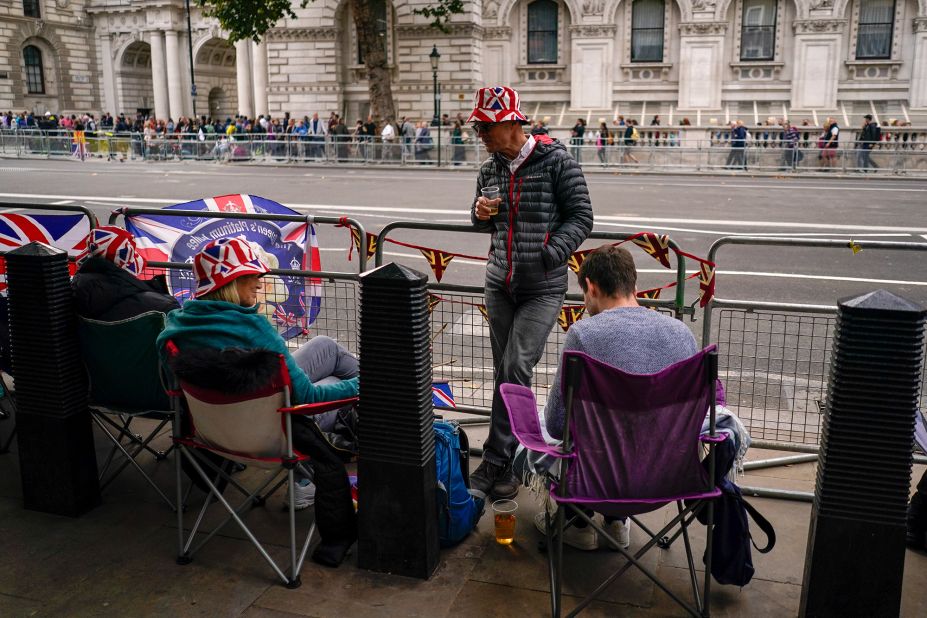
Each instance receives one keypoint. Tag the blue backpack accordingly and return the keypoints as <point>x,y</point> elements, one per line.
<point>458,510</point>
<point>731,558</point>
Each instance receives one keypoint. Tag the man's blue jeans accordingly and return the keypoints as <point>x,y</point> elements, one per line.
<point>518,332</point>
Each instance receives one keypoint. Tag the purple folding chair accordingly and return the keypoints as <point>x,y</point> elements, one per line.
<point>631,445</point>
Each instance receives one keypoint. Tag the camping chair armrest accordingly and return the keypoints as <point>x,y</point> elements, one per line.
<point>312,409</point>
<point>721,437</point>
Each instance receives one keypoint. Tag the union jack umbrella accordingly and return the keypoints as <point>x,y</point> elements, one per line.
<point>283,245</point>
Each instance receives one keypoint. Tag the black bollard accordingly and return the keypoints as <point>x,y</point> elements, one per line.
<point>856,543</point>
<point>397,516</point>
<point>56,453</point>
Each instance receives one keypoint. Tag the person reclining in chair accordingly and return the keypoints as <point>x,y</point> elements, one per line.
<point>106,285</point>
<point>224,314</point>
<point>623,334</point>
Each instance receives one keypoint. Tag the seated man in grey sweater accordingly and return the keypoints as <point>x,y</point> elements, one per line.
<point>623,334</point>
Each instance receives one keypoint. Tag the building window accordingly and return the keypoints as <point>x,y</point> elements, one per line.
<point>31,8</point>
<point>758,30</point>
<point>378,11</point>
<point>647,31</point>
<point>876,21</point>
<point>542,32</point>
<point>35,77</point>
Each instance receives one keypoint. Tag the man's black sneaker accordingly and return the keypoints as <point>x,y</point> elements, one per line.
<point>484,477</point>
<point>506,485</point>
<point>495,481</point>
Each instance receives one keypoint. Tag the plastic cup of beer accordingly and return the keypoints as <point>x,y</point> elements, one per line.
<point>504,515</point>
<point>491,193</point>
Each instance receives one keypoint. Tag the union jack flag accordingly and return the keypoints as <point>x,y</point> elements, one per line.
<point>484,311</point>
<point>67,232</point>
<point>433,302</point>
<point>655,246</point>
<point>569,314</point>
<point>442,395</point>
<point>438,260</point>
<point>652,294</point>
<point>283,244</point>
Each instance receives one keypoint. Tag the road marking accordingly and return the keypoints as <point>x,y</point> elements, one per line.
<point>772,224</point>
<point>62,202</point>
<point>601,223</point>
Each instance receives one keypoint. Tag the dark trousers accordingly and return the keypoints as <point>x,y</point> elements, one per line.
<point>518,332</point>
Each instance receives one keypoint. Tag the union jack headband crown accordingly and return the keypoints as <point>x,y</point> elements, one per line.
<point>222,261</point>
<point>116,245</point>
<point>496,104</point>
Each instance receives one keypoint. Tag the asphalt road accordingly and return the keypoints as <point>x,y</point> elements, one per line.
<point>694,210</point>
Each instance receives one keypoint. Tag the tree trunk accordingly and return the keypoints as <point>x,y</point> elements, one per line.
<point>373,48</point>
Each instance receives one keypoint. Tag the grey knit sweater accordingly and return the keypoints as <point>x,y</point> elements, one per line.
<point>633,339</point>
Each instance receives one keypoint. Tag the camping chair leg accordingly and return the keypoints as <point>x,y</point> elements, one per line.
<point>556,561</point>
<point>181,500</point>
<point>667,542</point>
<point>241,524</point>
<point>130,459</point>
<point>632,561</point>
<point>294,573</point>
<point>684,526</point>
<point>134,439</point>
<point>708,542</point>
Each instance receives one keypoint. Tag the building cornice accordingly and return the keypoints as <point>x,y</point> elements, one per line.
<point>321,33</point>
<point>703,28</point>
<point>501,33</point>
<point>920,24</point>
<point>818,26</point>
<point>423,31</point>
<point>593,31</point>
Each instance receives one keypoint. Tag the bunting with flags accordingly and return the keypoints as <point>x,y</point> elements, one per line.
<point>652,294</point>
<point>433,302</point>
<point>484,311</point>
<point>291,303</point>
<point>438,260</point>
<point>570,314</point>
<point>655,246</point>
<point>67,232</point>
<point>356,240</point>
<point>706,282</point>
<point>577,258</point>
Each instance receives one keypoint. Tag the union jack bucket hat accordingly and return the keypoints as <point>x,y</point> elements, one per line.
<point>222,261</point>
<point>496,104</point>
<point>116,245</point>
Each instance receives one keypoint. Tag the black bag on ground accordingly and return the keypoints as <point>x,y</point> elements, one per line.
<point>731,557</point>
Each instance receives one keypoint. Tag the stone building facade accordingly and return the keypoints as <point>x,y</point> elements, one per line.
<point>693,58</point>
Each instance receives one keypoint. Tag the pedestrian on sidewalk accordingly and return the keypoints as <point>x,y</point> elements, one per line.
<point>870,135</point>
<point>542,219</point>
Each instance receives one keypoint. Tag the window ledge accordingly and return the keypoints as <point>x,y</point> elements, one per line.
<point>540,72</point>
<point>541,66</point>
<point>881,68</point>
<point>646,71</point>
<point>757,70</point>
<point>754,63</point>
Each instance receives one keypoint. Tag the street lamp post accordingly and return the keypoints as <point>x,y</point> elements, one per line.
<point>434,56</point>
<point>190,50</point>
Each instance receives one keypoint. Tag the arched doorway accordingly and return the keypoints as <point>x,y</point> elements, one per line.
<point>215,75</point>
<point>134,89</point>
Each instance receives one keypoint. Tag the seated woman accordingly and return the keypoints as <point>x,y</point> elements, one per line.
<point>223,314</point>
<point>106,285</point>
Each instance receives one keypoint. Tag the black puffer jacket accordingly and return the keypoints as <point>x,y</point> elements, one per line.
<point>544,216</point>
<point>103,291</point>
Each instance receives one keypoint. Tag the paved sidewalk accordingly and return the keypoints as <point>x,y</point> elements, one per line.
<point>118,560</point>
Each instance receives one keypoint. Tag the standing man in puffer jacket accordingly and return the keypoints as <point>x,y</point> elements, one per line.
<point>542,216</point>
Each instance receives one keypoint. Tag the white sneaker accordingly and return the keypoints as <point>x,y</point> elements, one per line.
<point>305,495</point>
<point>621,530</point>
<point>586,539</point>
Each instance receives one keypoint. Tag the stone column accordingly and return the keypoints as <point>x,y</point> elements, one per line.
<point>110,104</point>
<point>174,74</point>
<point>185,74</point>
<point>159,76</point>
<point>918,96</point>
<point>817,49</point>
<point>259,62</point>
<point>243,73</point>
<point>591,66</point>
<point>701,64</point>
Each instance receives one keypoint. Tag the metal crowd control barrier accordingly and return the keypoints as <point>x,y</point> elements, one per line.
<point>31,206</point>
<point>209,214</point>
<point>774,359</point>
<point>460,336</point>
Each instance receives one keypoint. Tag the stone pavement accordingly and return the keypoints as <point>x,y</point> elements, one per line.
<point>118,560</point>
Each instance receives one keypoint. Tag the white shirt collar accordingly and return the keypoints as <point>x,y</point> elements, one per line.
<point>523,154</point>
